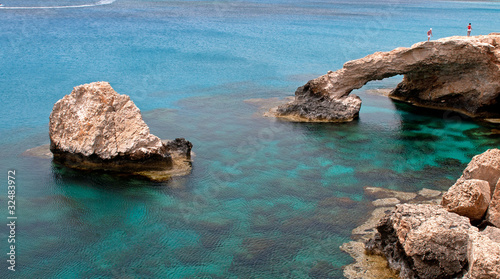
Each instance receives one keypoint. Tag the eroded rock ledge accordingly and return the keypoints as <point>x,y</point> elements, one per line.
<point>455,73</point>
<point>458,239</point>
<point>95,128</point>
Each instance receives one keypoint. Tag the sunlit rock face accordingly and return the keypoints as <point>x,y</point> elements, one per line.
<point>94,127</point>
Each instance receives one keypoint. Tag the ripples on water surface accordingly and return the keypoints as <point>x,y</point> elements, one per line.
<point>266,199</point>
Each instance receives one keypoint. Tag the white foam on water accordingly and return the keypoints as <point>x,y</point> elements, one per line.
<point>100,3</point>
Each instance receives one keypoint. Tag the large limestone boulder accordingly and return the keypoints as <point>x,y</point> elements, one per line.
<point>423,241</point>
<point>468,198</point>
<point>493,214</point>
<point>455,73</point>
<point>484,254</point>
<point>94,127</point>
<point>485,166</point>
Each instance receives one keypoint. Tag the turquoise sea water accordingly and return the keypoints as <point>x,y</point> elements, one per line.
<point>266,198</point>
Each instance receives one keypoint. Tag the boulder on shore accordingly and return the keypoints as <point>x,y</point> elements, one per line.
<point>469,198</point>
<point>493,213</point>
<point>455,73</point>
<point>485,166</point>
<point>95,128</point>
<point>476,194</point>
<point>483,254</point>
<point>423,241</point>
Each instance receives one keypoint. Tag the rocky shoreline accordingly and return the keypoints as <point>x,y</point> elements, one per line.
<point>374,266</point>
<point>457,73</point>
<point>453,234</point>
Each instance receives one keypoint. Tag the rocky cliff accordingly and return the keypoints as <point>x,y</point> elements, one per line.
<point>458,239</point>
<point>94,127</point>
<point>455,73</point>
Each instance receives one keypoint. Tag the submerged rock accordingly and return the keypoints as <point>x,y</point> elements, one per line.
<point>428,193</point>
<point>321,270</point>
<point>96,128</point>
<point>367,266</point>
<point>455,73</point>
<point>386,202</point>
<point>382,193</point>
<point>42,151</point>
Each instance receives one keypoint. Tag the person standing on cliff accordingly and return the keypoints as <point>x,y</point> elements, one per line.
<point>429,34</point>
<point>469,28</point>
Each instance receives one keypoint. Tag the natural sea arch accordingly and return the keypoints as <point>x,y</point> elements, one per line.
<point>455,73</point>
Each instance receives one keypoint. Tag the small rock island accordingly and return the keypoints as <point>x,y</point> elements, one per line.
<point>95,128</point>
<point>456,73</point>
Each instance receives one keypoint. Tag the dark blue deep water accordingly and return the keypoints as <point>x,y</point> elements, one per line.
<point>266,198</point>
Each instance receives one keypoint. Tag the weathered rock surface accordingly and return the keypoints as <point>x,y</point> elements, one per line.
<point>485,166</point>
<point>96,128</point>
<point>423,241</point>
<point>369,265</point>
<point>179,147</point>
<point>493,213</point>
<point>483,254</point>
<point>432,241</point>
<point>469,198</point>
<point>310,106</point>
<point>455,73</point>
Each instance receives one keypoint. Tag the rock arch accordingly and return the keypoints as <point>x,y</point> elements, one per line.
<point>455,73</point>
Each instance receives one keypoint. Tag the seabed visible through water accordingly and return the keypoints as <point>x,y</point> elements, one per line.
<point>265,198</point>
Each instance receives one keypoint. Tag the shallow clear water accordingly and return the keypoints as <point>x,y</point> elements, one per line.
<point>266,198</point>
